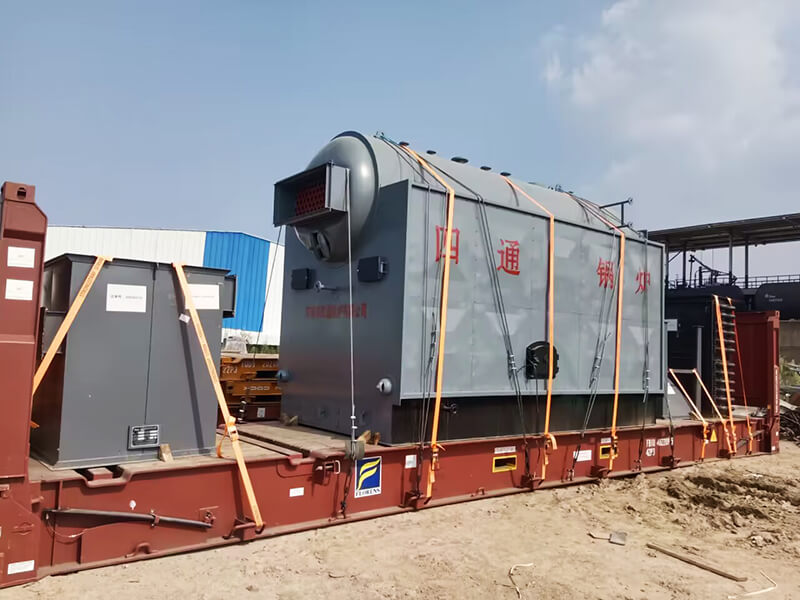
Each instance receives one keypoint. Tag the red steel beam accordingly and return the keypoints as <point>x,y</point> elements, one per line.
<point>22,232</point>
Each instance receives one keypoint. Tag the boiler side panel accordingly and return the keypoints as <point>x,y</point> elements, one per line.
<point>514,245</point>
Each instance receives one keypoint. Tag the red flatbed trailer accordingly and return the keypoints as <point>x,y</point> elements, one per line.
<point>298,476</point>
<point>58,521</point>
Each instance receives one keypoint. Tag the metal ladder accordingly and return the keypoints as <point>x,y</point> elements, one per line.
<point>727,344</point>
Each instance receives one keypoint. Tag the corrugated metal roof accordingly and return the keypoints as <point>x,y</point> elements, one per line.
<point>247,257</point>
<point>157,245</point>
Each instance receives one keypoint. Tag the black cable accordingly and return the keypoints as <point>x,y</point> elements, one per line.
<point>602,338</point>
<point>600,348</point>
<point>497,296</point>
<point>427,374</point>
<point>348,479</point>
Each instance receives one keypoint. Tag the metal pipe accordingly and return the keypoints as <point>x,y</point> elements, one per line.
<point>684,266</point>
<point>746,264</point>
<point>730,258</point>
<point>152,518</point>
<point>698,398</point>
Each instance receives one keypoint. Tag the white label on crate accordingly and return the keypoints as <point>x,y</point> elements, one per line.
<point>650,442</point>
<point>505,450</point>
<point>184,318</point>
<point>650,452</point>
<point>582,456</point>
<point>23,258</point>
<point>126,298</point>
<point>205,295</point>
<point>261,412</point>
<point>605,440</point>
<point>21,567</point>
<point>411,461</point>
<point>19,289</point>
<point>665,441</point>
<point>295,492</point>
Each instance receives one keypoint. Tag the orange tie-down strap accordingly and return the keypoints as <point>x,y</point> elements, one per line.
<point>448,240</point>
<point>549,439</point>
<point>69,318</point>
<point>618,336</point>
<point>694,408</point>
<point>723,352</point>
<point>230,422</point>
<point>729,438</point>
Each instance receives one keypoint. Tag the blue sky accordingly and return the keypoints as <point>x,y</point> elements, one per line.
<point>184,114</point>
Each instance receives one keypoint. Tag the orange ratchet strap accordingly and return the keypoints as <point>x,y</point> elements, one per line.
<point>716,410</point>
<point>448,240</point>
<point>696,412</point>
<point>55,344</point>
<point>230,422</point>
<point>724,355</point>
<point>548,437</point>
<point>618,338</point>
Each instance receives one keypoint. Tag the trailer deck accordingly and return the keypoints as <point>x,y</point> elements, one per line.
<point>300,478</point>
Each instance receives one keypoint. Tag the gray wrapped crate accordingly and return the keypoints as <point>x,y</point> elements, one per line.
<point>130,374</point>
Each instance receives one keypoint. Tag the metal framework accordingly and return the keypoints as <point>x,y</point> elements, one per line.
<point>729,234</point>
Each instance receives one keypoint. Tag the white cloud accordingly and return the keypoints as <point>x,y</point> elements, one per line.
<point>691,107</point>
<point>553,72</point>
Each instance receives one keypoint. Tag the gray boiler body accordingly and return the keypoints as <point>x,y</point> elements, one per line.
<point>396,222</point>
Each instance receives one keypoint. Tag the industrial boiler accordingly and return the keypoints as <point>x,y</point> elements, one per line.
<point>536,276</point>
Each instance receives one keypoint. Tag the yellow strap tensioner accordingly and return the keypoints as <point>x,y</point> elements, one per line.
<point>230,422</point>
<point>550,439</point>
<point>230,428</point>
<point>448,241</point>
<point>724,356</point>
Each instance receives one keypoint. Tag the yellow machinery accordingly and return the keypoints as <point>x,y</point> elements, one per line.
<point>251,386</point>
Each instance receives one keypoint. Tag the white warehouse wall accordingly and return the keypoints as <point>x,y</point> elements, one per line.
<point>156,245</point>
<point>167,246</point>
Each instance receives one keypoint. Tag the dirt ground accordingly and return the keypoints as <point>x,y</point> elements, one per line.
<point>742,515</point>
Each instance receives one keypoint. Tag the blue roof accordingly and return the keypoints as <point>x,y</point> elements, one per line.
<point>246,257</point>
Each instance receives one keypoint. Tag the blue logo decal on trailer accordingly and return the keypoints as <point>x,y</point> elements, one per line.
<point>368,477</point>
